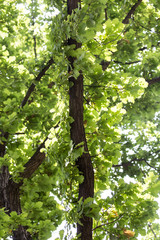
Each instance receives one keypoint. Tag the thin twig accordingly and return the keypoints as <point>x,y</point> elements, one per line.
<point>135,160</point>
<point>104,224</point>
<point>90,104</point>
<point>150,226</point>
<point>127,63</point>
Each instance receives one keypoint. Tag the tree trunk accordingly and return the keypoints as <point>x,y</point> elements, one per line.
<point>21,233</point>
<point>86,189</point>
<point>10,194</point>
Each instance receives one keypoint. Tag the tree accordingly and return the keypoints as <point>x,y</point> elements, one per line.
<point>79,113</point>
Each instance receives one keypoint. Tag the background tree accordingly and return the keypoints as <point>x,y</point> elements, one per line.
<point>79,113</point>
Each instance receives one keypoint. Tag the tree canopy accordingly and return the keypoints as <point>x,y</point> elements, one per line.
<point>79,117</point>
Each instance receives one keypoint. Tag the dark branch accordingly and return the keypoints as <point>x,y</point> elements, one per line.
<point>127,63</point>
<point>3,140</point>
<point>105,64</point>
<point>148,29</point>
<point>153,80</point>
<point>150,226</point>
<point>151,166</point>
<point>152,46</point>
<point>37,79</point>
<point>35,46</point>
<point>143,48</point>
<point>105,11</point>
<point>131,12</point>
<point>35,161</point>
<point>130,163</point>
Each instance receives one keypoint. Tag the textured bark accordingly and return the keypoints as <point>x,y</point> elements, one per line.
<point>21,233</point>
<point>86,189</point>
<point>34,162</point>
<point>10,194</point>
<point>71,5</point>
<point>9,190</point>
<point>131,12</point>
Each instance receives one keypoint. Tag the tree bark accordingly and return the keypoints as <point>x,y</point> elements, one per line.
<point>77,131</point>
<point>10,194</point>
<point>131,12</point>
<point>9,190</point>
<point>21,233</point>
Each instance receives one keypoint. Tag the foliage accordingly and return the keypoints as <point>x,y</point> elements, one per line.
<point>120,66</point>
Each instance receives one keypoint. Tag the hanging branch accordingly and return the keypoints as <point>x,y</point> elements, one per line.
<point>37,79</point>
<point>131,12</point>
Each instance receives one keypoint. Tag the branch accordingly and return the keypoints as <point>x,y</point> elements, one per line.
<point>152,46</point>
<point>105,11</point>
<point>150,226</point>
<point>126,164</point>
<point>131,12</point>
<point>88,103</point>
<point>151,166</point>
<point>153,80</point>
<point>3,140</point>
<point>108,222</point>
<point>34,162</point>
<point>105,64</point>
<point>143,26</point>
<point>127,63</point>
<point>35,46</point>
<point>143,48</point>
<point>37,79</point>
